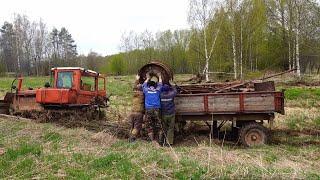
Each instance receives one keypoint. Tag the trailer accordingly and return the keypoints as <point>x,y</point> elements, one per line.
<point>248,112</point>
<point>248,106</point>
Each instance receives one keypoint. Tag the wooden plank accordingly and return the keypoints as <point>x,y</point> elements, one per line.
<point>259,103</point>
<point>189,104</point>
<point>223,103</point>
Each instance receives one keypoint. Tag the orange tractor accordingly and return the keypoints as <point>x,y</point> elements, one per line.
<point>74,92</point>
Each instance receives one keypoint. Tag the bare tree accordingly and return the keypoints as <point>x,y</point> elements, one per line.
<point>8,47</point>
<point>93,60</point>
<point>298,6</point>
<point>201,12</point>
<point>39,43</point>
<point>232,6</point>
<point>148,44</point>
<point>25,33</point>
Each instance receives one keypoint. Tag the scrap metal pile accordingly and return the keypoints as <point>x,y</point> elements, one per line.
<point>226,87</point>
<point>197,88</point>
<point>235,86</point>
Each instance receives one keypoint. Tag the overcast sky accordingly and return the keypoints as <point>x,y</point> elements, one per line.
<point>97,25</point>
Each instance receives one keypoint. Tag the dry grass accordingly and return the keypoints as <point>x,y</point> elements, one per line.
<point>42,151</point>
<point>299,118</point>
<point>79,153</point>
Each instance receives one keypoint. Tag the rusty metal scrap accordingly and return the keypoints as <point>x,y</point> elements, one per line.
<point>236,86</point>
<point>154,68</point>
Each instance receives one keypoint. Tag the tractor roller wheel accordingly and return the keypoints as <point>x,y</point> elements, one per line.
<point>253,134</point>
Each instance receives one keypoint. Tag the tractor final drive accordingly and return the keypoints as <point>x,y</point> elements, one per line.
<point>74,94</point>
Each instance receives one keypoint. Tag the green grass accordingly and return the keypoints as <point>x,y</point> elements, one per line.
<point>75,155</point>
<point>33,82</point>
<point>19,161</point>
<point>5,82</point>
<point>117,164</point>
<point>45,151</point>
<point>302,93</point>
<point>52,136</point>
<point>120,89</point>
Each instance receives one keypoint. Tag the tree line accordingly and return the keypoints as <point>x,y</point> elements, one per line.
<point>235,37</point>
<point>29,48</point>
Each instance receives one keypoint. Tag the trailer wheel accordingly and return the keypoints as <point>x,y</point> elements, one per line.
<point>253,134</point>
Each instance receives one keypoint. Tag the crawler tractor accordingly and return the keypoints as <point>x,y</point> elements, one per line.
<point>73,94</point>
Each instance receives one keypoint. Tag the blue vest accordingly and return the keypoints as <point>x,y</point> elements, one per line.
<point>152,96</point>
<point>167,102</point>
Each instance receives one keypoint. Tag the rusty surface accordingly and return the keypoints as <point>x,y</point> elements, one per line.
<point>254,137</point>
<point>153,68</point>
<point>264,86</point>
<point>4,107</point>
<point>236,86</point>
<point>241,101</point>
<point>26,103</point>
<point>206,106</point>
<point>279,102</point>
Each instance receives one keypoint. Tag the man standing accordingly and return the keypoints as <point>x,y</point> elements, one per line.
<point>168,112</point>
<point>151,92</point>
<point>136,116</point>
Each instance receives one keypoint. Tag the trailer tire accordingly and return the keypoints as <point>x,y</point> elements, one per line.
<point>253,134</point>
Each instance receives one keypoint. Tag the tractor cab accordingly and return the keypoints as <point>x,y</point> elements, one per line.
<point>73,86</point>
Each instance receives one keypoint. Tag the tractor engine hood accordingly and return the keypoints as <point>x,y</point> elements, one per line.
<point>55,96</point>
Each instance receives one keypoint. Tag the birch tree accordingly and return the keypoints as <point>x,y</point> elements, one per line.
<point>201,12</point>
<point>297,8</point>
<point>232,5</point>
<point>39,45</point>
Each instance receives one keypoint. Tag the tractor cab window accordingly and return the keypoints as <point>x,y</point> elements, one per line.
<point>65,80</point>
<point>87,83</point>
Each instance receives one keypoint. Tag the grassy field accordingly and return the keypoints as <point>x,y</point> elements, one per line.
<point>49,151</point>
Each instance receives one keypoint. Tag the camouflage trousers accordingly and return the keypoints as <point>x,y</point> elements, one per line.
<point>153,124</point>
<point>168,124</point>
<point>136,120</point>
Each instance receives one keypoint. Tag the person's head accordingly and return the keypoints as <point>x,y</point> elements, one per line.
<point>152,84</point>
<point>166,87</point>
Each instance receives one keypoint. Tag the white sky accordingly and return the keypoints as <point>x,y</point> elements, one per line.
<point>97,25</point>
